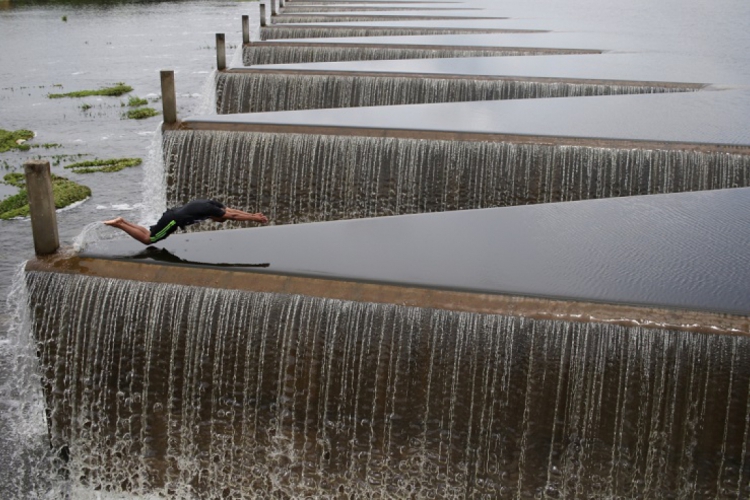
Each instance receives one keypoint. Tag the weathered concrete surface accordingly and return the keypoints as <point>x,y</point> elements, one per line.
<point>42,207</point>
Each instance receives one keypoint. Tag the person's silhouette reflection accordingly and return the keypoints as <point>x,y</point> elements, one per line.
<point>164,255</point>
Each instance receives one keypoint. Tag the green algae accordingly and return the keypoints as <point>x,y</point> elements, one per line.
<point>8,139</point>
<point>65,191</point>
<point>141,113</point>
<point>117,90</point>
<point>112,165</point>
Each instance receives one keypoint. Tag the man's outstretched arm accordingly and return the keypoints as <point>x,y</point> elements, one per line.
<point>239,215</point>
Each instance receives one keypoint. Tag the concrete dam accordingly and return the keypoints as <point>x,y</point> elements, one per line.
<point>485,277</point>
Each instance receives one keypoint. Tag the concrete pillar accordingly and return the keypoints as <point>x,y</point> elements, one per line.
<point>262,14</point>
<point>221,52</point>
<point>281,4</point>
<point>168,97</point>
<point>274,8</point>
<point>245,29</point>
<point>41,207</point>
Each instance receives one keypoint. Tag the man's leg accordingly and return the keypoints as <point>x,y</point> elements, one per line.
<point>140,233</point>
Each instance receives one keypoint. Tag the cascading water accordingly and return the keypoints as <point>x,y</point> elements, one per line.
<point>355,18</point>
<point>265,91</point>
<point>302,178</point>
<point>281,54</point>
<point>192,391</point>
<point>278,32</point>
<point>24,438</point>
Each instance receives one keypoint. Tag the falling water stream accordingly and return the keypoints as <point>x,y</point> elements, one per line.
<point>302,178</point>
<point>234,394</point>
<point>278,32</point>
<point>267,91</point>
<point>291,54</point>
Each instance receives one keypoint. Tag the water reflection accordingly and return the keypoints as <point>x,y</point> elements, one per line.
<point>164,255</point>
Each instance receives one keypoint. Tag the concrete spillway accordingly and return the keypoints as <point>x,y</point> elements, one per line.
<point>283,52</point>
<point>250,91</point>
<point>291,31</point>
<point>457,393</point>
<point>303,177</point>
<point>384,17</point>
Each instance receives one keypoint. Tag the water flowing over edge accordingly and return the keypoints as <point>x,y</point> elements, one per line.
<point>262,393</point>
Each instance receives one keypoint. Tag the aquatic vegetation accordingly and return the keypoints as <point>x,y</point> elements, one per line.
<point>85,106</point>
<point>65,191</point>
<point>135,101</point>
<point>141,113</point>
<point>117,90</point>
<point>112,165</point>
<point>14,139</point>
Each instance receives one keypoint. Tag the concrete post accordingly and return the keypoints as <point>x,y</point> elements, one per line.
<point>221,52</point>
<point>274,8</point>
<point>168,97</point>
<point>281,4</point>
<point>245,29</point>
<point>262,14</point>
<point>41,207</point>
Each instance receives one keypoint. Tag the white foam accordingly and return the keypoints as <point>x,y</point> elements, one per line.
<point>154,182</point>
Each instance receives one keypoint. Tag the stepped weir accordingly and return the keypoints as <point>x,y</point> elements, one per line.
<point>283,52</point>
<point>425,317</point>
<point>287,379</point>
<point>253,90</point>
<point>290,31</point>
<point>295,176</point>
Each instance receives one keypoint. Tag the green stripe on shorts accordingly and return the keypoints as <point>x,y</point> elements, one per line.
<point>161,234</point>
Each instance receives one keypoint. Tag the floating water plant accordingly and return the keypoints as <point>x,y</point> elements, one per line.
<point>117,90</point>
<point>134,102</point>
<point>14,139</point>
<point>112,165</point>
<point>65,191</point>
<point>141,113</point>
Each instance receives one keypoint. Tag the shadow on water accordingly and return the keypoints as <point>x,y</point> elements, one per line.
<point>164,255</point>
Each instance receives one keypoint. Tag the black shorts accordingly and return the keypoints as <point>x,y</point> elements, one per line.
<point>166,226</point>
<point>191,213</point>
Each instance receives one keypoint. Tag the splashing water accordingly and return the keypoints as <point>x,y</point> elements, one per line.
<point>24,439</point>
<point>93,232</point>
<point>154,182</point>
<point>207,105</point>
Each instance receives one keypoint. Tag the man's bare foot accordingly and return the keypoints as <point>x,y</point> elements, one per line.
<point>113,222</point>
<point>259,217</point>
